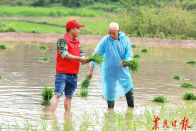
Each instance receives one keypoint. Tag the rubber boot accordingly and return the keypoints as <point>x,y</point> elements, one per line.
<point>130,98</point>
<point>110,104</point>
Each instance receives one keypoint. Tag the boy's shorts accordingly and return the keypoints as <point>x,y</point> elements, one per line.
<point>66,83</point>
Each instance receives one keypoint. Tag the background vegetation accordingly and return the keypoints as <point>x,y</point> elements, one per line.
<point>166,19</point>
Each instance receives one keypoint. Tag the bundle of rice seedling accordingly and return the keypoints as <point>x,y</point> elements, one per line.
<point>132,64</point>
<point>83,93</point>
<point>2,46</point>
<point>99,59</point>
<point>177,77</point>
<point>44,58</point>
<point>42,47</point>
<point>133,46</point>
<point>191,62</point>
<point>144,50</point>
<point>84,87</point>
<point>136,56</point>
<point>189,96</point>
<point>85,83</point>
<point>160,99</point>
<point>46,94</point>
<point>187,85</point>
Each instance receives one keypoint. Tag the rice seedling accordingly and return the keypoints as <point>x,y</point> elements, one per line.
<point>99,59</point>
<point>136,56</point>
<point>132,64</point>
<point>44,58</point>
<point>85,83</point>
<point>133,46</point>
<point>160,99</point>
<point>77,94</point>
<point>144,50</point>
<point>46,94</point>
<point>177,77</point>
<point>187,85</point>
<point>189,96</point>
<point>2,46</point>
<point>191,62</point>
<point>42,47</point>
<point>83,93</point>
<point>1,77</point>
<point>118,121</point>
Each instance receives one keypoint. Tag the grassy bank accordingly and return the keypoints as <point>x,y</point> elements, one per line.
<point>165,22</point>
<point>23,11</point>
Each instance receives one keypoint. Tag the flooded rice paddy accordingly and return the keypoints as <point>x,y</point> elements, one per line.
<point>24,76</point>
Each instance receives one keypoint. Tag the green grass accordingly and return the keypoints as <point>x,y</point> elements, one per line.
<point>136,56</point>
<point>42,47</point>
<point>7,27</point>
<point>47,94</point>
<point>2,46</point>
<point>189,96</point>
<point>22,11</point>
<point>91,27</point>
<point>133,65</point>
<point>187,85</point>
<point>144,50</point>
<point>160,99</point>
<point>35,28</point>
<point>158,22</point>
<point>191,62</point>
<point>177,77</point>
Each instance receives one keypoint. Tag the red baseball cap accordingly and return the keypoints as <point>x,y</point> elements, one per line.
<point>73,23</point>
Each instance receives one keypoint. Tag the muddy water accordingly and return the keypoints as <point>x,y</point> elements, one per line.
<point>24,76</point>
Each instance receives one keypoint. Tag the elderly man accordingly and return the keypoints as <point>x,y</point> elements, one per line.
<point>69,56</point>
<point>116,79</point>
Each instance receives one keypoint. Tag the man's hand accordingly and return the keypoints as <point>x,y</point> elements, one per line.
<point>122,63</point>
<point>83,59</point>
<point>90,73</point>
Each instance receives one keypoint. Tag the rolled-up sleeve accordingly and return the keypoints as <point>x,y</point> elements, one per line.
<point>62,47</point>
<point>81,51</point>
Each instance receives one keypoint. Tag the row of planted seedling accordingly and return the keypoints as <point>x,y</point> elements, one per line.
<point>2,47</point>
<point>186,96</point>
<point>47,93</point>
<point>174,118</point>
<point>43,48</point>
